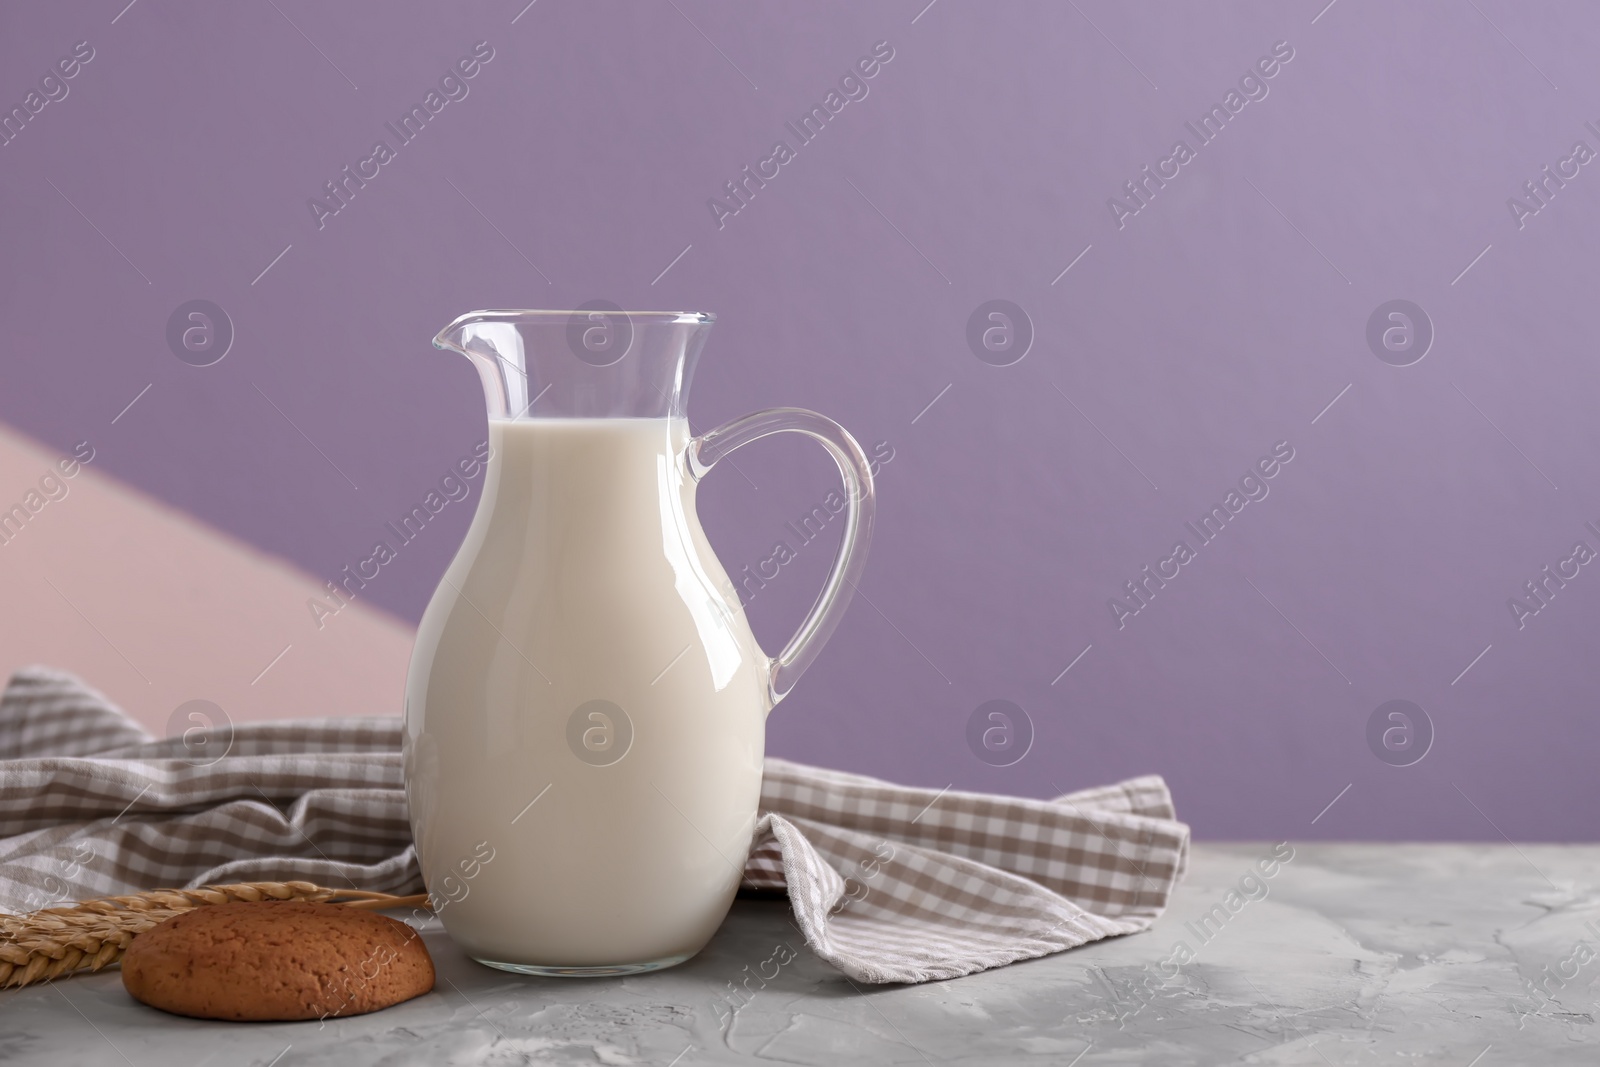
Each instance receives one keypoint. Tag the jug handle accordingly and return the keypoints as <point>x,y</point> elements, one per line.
<point>706,450</point>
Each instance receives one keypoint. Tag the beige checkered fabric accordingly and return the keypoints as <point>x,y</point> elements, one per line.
<point>888,883</point>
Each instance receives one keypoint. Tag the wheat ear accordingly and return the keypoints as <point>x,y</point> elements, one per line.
<point>90,934</point>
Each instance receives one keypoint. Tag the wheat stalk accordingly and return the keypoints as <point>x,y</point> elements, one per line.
<point>90,934</point>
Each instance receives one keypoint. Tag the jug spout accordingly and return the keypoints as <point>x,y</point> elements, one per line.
<point>594,362</point>
<point>454,337</point>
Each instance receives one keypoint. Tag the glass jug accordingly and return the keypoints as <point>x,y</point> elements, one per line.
<point>585,705</point>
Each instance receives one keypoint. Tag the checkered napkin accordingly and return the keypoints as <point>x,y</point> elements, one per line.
<point>888,883</point>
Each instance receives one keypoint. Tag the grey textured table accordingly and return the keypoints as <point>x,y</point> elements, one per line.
<point>1357,954</point>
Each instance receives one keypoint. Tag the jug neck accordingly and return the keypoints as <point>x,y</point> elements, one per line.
<point>594,362</point>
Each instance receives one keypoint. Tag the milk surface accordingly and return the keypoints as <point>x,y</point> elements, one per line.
<point>585,577</point>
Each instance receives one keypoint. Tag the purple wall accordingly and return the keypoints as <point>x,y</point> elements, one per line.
<point>1187,339</point>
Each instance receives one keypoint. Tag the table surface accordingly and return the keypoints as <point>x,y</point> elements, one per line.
<point>1357,954</point>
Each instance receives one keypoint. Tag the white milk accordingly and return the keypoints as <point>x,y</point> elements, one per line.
<point>585,576</point>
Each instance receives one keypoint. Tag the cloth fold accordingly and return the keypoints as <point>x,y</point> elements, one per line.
<point>888,883</point>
